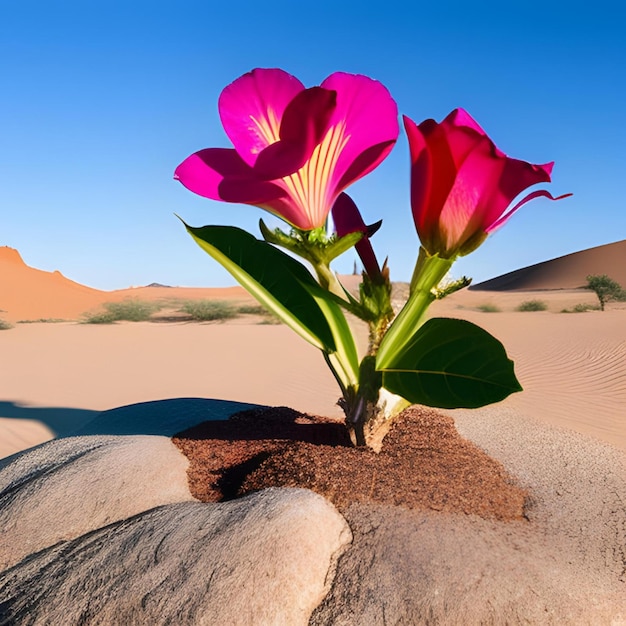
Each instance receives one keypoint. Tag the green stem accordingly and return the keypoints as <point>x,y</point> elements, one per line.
<point>327,279</point>
<point>429,271</point>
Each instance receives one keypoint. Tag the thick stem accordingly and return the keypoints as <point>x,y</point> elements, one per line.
<point>327,279</point>
<point>429,271</point>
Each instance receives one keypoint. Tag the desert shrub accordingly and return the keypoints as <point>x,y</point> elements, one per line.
<point>5,325</point>
<point>252,309</point>
<point>99,318</point>
<point>581,308</point>
<point>132,310</point>
<point>270,318</point>
<point>605,288</point>
<point>532,305</point>
<point>209,310</point>
<point>127,311</point>
<point>488,308</point>
<point>42,320</point>
<point>257,309</point>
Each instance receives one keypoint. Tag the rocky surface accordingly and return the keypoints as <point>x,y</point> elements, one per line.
<point>267,559</point>
<point>565,564</point>
<point>68,487</point>
<point>101,529</point>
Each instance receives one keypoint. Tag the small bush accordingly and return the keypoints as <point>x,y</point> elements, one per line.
<point>132,310</point>
<point>581,308</point>
<point>99,318</point>
<point>209,310</point>
<point>42,320</point>
<point>252,309</point>
<point>257,309</point>
<point>124,311</point>
<point>488,308</point>
<point>532,305</point>
<point>270,319</point>
<point>5,325</point>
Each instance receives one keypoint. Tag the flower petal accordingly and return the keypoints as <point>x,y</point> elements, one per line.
<point>285,208</point>
<point>516,176</point>
<point>441,181</point>
<point>252,106</point>
<point>465,209</point>
<point>460,118</point>
<point>531,196</point>
<point>221,174</point>
<point>303,126</point>
<point>367,117</point>
<point>348,219</point>
<point>421,182</point>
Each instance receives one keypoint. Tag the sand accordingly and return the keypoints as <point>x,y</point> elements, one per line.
<point>56,376</point>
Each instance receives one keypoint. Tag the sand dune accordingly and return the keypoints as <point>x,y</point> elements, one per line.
<point>566,272</point>
<point>30,294</point>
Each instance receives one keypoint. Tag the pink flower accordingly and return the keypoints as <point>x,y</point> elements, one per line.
<point>462,185</point>
<point>295,149</point>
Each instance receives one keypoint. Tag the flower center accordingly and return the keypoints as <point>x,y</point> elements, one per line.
<point>266,129</point>
<point>310,186</point>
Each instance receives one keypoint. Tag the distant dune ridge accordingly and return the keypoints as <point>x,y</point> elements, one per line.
<point>565,272</point>
<point>27,293</point>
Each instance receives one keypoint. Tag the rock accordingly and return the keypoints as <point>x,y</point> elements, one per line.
<point>68,487</point>
<point>265,559</point>
<point>408,567</point>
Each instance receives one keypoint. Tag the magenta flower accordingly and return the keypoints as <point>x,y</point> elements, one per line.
<point>295,149</point>
<point>462,185</point>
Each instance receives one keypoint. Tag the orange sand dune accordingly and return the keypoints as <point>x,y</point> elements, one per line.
<point>566,272</point>
<point>27,293</point>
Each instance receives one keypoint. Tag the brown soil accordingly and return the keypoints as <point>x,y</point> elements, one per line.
<point>423,463</point>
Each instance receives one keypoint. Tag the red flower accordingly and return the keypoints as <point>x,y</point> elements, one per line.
<point>462,185</point>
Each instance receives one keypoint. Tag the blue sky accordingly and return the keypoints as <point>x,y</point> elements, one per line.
<point>102,99</point>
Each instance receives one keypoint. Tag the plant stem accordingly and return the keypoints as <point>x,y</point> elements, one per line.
<point>429,271</point>
<point>328,280</point>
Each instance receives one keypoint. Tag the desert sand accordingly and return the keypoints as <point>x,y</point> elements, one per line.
<point>54,376</point>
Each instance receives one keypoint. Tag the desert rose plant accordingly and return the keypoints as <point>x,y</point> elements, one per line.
<point>295,151</point>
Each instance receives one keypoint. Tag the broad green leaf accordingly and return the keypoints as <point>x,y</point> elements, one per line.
<point>276,280</point>
<point>451,364</point>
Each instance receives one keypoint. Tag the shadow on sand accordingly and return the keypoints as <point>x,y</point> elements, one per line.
<point>60,420</point>
<point>157,417</point>
<point>160,417</point>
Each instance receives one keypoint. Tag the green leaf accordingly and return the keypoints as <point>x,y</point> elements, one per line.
<point>276,280</point>
<point>451,364</point>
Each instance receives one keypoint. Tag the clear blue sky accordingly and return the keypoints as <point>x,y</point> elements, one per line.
<point>102,99</point>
